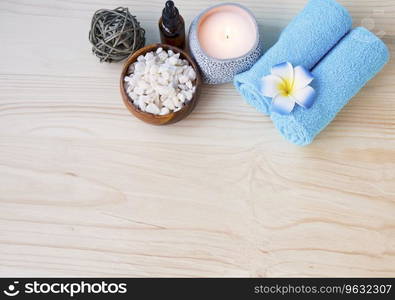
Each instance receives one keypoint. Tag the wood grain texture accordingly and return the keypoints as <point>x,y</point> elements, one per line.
<point>86,189</point>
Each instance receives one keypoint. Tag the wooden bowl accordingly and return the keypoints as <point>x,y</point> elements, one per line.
<point>173,116</point>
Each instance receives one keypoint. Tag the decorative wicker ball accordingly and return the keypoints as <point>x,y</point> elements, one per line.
<point>115,34</point>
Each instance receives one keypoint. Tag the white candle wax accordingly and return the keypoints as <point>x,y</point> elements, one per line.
<point>226,32</point>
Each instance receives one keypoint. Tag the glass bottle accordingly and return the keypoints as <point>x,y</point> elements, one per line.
<point>172,26</point>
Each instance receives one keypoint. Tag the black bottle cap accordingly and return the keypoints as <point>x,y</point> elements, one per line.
<point>170,15</point>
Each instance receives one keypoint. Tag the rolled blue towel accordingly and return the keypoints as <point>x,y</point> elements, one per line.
<point>357,58</point>
<point>309,36</point>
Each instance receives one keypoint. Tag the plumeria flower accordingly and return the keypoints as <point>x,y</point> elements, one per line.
<point>286,86</point>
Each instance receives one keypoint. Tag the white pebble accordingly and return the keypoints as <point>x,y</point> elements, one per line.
<point>162,90</point>
<point>162,81</point>
<point>133,95</point>
<point>157,102</point>
<point>162,56</point>
<point>154,69</point>
<point>166,75</point>
<point>143,84</point>
<point>164,111</point>
<point>171,91</point>
<point>142,104</point>
<point>140,67</point>
<point>173,84</point>
<point>150,90</point>
<point>152,78</point>
<point>149,56</point>
<point>182,79</point>
<point>187,94</point>
<point>191,74</point>
<point>181,97</point>
<point>169,104</point>
<point>152,108</point>
<point>177,101</point>
<point>173,60</point>
<point>132,83</point>
<point>146,98</point>
<point>139,91</point>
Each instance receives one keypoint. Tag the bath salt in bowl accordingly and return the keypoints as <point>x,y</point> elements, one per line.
<point>160,84</point>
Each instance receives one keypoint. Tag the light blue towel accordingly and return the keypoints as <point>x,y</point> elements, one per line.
<point>310,35</point>
<point>337,78</point>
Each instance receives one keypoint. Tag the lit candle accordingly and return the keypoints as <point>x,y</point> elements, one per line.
<point>224,40</point>
<point>227,31</point>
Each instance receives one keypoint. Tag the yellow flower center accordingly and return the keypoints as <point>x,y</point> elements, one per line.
<point>285,87</point>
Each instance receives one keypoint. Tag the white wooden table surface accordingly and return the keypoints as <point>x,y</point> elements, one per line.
<point>88,190</point>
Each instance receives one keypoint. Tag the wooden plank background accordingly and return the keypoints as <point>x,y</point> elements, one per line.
<point>88,190</point>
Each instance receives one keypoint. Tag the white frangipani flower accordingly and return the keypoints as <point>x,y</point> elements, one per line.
<point>286,86</point>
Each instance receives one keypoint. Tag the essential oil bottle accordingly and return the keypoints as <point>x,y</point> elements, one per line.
<point>172,26</point>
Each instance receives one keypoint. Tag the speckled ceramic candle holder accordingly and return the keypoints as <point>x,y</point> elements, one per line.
<point>215,70</point>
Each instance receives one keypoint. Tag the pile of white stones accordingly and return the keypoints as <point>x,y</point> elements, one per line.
<point>160,82</point>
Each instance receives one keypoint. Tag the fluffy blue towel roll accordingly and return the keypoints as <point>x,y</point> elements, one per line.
<point>309,36</point>
<point>337,78</point>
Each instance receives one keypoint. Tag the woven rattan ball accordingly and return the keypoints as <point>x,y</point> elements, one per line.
<point>115,34</point>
